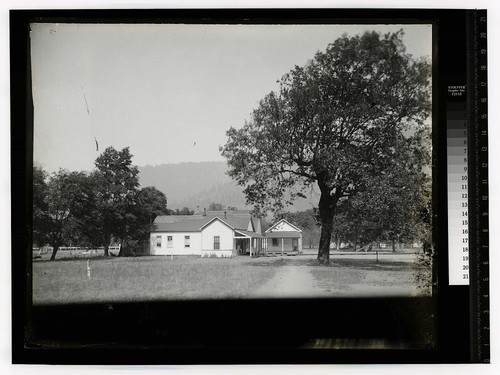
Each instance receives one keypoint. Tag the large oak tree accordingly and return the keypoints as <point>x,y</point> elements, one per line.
<point>333,122</point>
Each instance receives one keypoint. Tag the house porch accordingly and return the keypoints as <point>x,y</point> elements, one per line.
<point>283,243</point>
<point>248,243</point>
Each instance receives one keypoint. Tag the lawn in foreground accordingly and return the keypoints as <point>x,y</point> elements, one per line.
<point>146,279</point>
<point>366,277</point>
<point>160,278</point>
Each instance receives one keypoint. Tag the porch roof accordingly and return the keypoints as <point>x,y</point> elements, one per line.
<point>283,235</point>
<point>248,234</point>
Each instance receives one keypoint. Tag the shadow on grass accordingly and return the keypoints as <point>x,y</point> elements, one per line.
<point>372,264</point>
<point>73,259</point>
<point>267,262</point>
<point>276,262</point>
<point>365,264</point>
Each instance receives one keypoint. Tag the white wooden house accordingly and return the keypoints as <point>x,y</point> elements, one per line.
<point>283,237</point>
<point>213,233</point>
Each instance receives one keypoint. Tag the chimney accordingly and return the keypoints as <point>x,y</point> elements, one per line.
<point>204,212</point>
<point>225,215</point>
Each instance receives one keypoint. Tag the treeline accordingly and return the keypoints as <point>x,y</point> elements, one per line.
<point>394,208</point>
<point>95,208</point>
<point>392,211</point>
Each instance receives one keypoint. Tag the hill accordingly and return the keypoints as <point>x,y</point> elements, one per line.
<point>193,184</point>
<point>199,184</point>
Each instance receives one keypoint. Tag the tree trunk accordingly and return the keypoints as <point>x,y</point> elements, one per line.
<point>106,250</point>
<point>122,250</point>
<point>338,243</point>
<point>54,252</point>
<point>393,245</point>
<point>327,204</point>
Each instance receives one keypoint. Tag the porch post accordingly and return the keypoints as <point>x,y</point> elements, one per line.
<point>282,246</point>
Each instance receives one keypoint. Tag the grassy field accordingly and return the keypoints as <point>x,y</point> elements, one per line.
<point>145,278</point>
<point>362,276</point>
<point>159,278</point>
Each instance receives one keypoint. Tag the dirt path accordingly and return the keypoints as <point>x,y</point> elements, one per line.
<point>291,282</point>
<point>356,277</point>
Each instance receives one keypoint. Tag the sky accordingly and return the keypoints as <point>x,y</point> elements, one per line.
<point>169,92</point>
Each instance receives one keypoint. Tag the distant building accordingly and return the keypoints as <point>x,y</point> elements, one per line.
<point>283,237</point>
<point>213,233</point>
<point>222,234</point>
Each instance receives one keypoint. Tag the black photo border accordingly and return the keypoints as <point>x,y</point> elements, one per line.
<point>171,332</point>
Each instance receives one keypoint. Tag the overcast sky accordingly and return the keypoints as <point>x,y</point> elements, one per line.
<point>169,92</point>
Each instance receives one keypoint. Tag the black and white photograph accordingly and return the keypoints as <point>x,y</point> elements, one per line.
<point>202,161</point>
<point>249,186</point>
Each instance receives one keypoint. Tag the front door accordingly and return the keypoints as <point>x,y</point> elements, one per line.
<point>295,244</point>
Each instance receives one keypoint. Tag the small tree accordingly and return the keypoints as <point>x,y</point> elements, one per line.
<point>150,203</point>
<point>40,206</point>
<point>428,258</point>
<point>307,222</point>
<point>185,211</point>
<point>215,207</point>
<point>334,123</point>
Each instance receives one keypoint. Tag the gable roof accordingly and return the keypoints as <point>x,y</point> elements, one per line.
<point>218,219</point>
<point>285,222</point>
<point>194,223</point>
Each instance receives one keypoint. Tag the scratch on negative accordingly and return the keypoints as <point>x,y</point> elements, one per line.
<point>86,104</point>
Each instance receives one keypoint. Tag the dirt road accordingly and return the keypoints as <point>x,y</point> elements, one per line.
<point>291,281</point>
<point>351,276</point>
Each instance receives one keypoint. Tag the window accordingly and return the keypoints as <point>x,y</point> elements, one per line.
<point>275,242</point>
<point>170,242</point>
<point>187,241</point>
<point>158,241</point>
<point>216,242</point>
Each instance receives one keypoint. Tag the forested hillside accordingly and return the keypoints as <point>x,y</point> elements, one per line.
<point>199,184</point>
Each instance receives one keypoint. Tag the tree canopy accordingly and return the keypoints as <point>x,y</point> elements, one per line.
<point>118,184</point>
<point>94,208</point>
<point>57,207</point>
<point>334,122</point>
